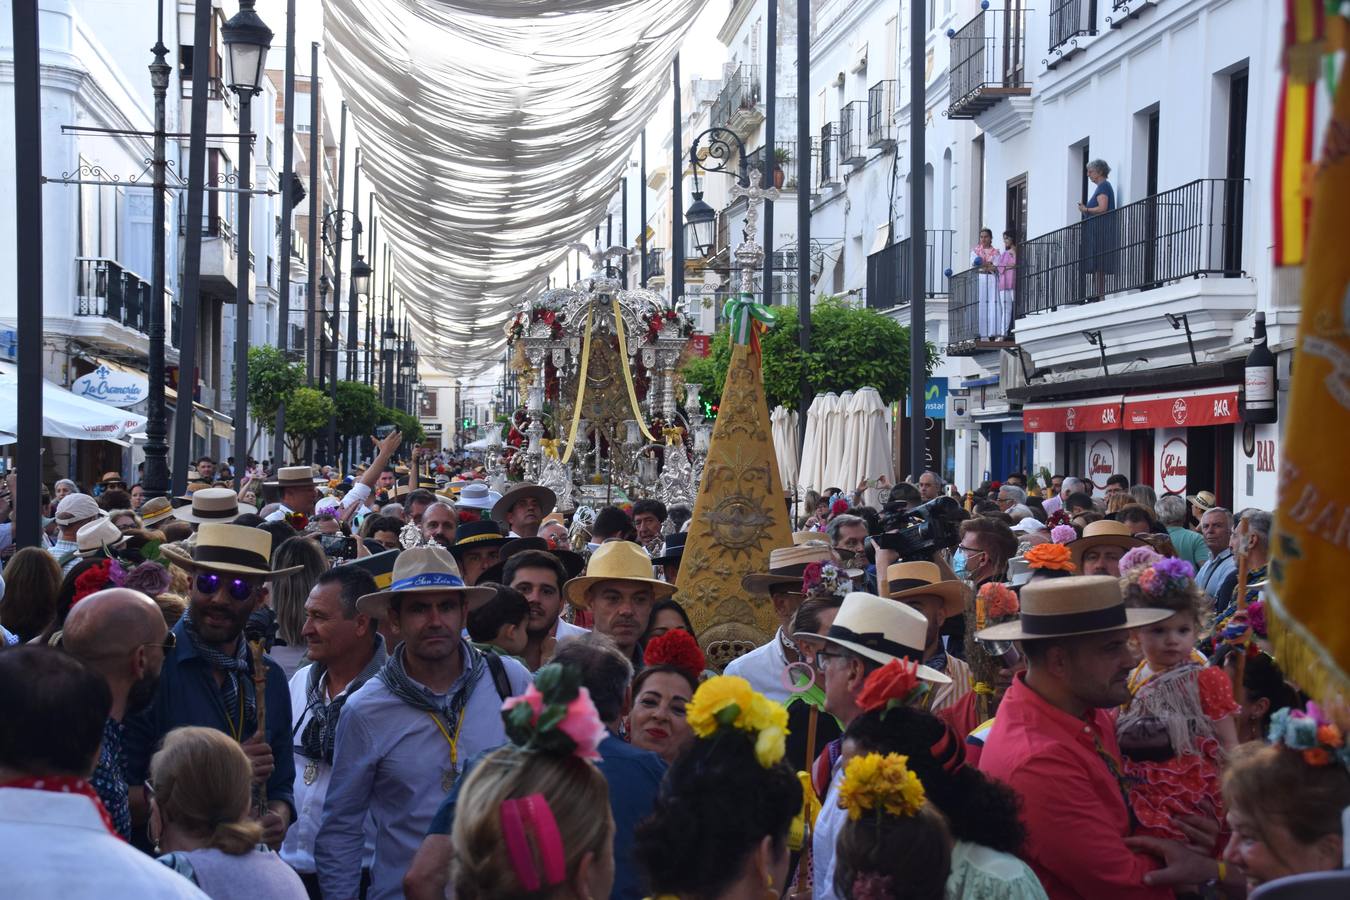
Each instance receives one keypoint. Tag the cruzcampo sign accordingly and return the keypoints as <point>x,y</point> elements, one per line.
<point>112,387</point>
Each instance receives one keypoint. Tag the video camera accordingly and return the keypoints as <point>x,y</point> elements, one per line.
<point>917,532</point>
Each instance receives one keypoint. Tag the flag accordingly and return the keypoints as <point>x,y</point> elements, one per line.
<point>1303,46</point>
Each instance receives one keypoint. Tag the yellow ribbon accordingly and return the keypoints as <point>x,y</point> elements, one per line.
<point>581,387</point>
<point>627,369</point>
<point>805,821</point>
<point>673,435</point>
<point>981,688</point>
<point>550,446</point>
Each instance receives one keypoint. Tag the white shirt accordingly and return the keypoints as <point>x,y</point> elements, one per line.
<point>357,494</point>
<point>567,630</point>
<point>56,845</point>
<point>297,850</point>
<point>828,825</point>
<point>763,667</point>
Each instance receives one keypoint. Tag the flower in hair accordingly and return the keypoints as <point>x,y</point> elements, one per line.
<point>1063,533</point>
<point>1163,575</point>
<point>1308,732</point>
<point>728,703</point>
<point>150,578</point>
<point>1057,518</point>
<point>677,649</point>
<point>825,580</point>
<point>894,684</point>
<point>1000,600</point>
<point>880,784</point>
<point>1137,557</point>
<point>104,573</point>
<point>1051,556</point>
<point>555,715</point>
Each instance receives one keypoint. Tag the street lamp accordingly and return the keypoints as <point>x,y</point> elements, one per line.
<point>247,41</point>
<point>361,276</point>
<point>700,228</point>
<point>700,221</point>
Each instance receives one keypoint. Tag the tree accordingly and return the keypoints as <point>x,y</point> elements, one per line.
<point>851,348</point>
<point>271,381</point>
<point>358,409</point>
<point>307,413</point>
<point>411,428</point>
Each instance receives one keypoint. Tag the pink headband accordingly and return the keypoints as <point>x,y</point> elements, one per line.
<point>521,817</point>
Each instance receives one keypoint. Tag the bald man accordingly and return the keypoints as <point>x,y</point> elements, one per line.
<point>120,635</point>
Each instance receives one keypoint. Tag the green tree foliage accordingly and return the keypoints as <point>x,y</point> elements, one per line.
<point>307,413</point>
<point>411,428</point>
<point>271,381</point>
<point>358,409</point>
<point>851,348</point>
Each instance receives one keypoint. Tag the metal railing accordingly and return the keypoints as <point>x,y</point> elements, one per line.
<point>827,157</point>
<point>215,88</point>
<point>852,121</point>
<point>740,90</point>
<point>881,114</point>
<point>889,270</point>
<point>212,226</point>
<point>656,266</point>
<point>976,311</point>
<point>1186,232</point>
<point>785,161</point>
<point>103,288</point>
<point>988,61</point>
<point>1070,19</point>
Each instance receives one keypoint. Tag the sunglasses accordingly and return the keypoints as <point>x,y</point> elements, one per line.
<point>208,583</point>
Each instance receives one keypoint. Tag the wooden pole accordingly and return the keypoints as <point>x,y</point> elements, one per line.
<point>1241,608</point>
<point>260,700</point>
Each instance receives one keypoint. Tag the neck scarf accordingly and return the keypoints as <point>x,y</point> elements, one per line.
<point>238,669</point>
<point>449,708</point>
<point>66,784</point>
<point>321,730</point>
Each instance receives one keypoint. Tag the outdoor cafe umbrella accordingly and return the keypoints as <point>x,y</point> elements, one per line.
<point>813,448</point>
<point>66,415</point>
<point>783,424</point>
<point>836,470</point>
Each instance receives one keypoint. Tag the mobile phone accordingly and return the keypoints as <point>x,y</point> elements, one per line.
<point>383,431</point>
<point>337,546</point>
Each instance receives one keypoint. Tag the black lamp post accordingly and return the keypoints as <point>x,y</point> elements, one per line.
<point>361,276</point>
<point>700,227</point>
<point>247,41</point>
<point>388,350</point>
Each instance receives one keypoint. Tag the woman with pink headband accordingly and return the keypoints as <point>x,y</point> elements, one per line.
<point>534,817</point>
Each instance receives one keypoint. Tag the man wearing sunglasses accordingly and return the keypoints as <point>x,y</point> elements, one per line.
<point>120,635</point>
<point>208,678</point>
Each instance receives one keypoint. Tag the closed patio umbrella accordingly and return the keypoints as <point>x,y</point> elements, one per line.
<point>783,424</point>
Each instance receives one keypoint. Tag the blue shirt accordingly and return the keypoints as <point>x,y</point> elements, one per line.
<point>110,778</point>
<point>189,695</point>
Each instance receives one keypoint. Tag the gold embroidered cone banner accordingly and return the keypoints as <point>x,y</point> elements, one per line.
<point>739,516</point>
<point>1311,545</point>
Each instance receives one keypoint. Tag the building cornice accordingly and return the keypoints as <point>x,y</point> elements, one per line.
<point>740,11</point>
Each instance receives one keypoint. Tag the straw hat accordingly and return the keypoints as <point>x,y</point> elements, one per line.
<point>423,570</point>
<point>155,509</point>
<point>518,492</point>
<point>801,537</point>
<point>1064,607</point>
<point>213,505</point>
<point>786,566</point>
<point>100,534</point>
<point>924,579</point>
<point>1105,532</point>
<point>229,548</point>
<point>112,478</point>
<point>616,561</point>
<point>881,630</point>
<point>296,476</point>
<point>1203,501</point>
<point>476,495</point>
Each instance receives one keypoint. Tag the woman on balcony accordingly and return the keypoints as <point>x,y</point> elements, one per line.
<point>984,257</point>
<point>1007,283</point>
<point>1099,240</point>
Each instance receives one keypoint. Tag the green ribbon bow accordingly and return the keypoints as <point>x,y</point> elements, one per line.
<point>741,312</point>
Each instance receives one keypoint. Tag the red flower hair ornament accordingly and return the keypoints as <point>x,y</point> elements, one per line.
<point>894,684</point>
<point>677,649</point>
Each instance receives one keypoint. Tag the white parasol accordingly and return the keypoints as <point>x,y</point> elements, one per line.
<point>813,450</point>
<point>836,428</point>
<point>869,425</point>
<point>783,424</point>
<point>66,415</point>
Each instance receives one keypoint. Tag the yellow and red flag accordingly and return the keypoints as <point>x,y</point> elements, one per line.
<point>1303,48</point>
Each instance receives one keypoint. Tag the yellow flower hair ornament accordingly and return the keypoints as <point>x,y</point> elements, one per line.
<point>727,703</point>
<point>880,784</point>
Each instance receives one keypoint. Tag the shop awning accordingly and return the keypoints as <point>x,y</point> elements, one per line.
<point>65,415</point>
<point>1182,409</point>
<point>1091,414</point>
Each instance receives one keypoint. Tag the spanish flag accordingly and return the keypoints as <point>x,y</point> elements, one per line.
<point>1304,45</point>
<point>1311,545</point>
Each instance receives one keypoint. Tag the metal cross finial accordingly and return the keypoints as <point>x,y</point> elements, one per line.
<point>755,194</point>
<point>599,256</point>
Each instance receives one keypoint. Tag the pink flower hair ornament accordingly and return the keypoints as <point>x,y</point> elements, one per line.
<point>555,715</point>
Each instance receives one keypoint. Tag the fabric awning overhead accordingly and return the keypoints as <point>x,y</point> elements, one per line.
<point>65,415</point>
<point>1092,414</point>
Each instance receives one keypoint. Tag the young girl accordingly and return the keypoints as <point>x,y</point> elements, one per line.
<point>1180,725</point>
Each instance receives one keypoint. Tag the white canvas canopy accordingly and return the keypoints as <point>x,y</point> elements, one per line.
<point>66,415</point>
<point>783,424</point>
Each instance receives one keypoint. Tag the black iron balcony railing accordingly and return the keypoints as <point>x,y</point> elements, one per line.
<point>852,122</point>
<point>889,270</point>
<point>212,227</point>
<point>1123,11</point>
<point>1069,20</point>
<point>784,170</point>
<point>881,115</point>
<point>740,91</point>
<point>827,160</point>
<point>656,266</point>
<point>1190,231</point>
<point>988,61</point>
<point>215,88</point>
<point>103,288</point>
<point>979,310</point>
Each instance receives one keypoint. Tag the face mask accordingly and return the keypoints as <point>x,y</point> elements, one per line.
<point>960,564</point>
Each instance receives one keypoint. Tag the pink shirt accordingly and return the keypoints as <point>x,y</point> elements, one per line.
<point>1007,269</point>
<point>1072,804</point>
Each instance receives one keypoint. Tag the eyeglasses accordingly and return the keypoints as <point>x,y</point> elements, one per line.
<point>170,641</point>
<point>208,583</point>
<point>823,656</point>
<point>971,551</point>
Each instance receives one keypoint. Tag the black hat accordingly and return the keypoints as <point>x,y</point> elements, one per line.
<point>673,550</point>
<point>475,535</point>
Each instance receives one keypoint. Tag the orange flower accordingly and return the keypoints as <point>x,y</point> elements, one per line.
<point>1050,556</point>
<point>1001,600</point>
<point>1330,735</point>
<point>1316,756</point>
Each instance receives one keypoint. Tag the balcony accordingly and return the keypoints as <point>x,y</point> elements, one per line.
<point>979,316</point>
<point>784,170</point>
<point>852,121</point>
<point>889,270</point>
<point>988,62</point>
<point>738,105</point>
<point>827,159</point>
<point>219,249</point>
<point>1070,20</point>
<point>881,115</point>
<point>105,289</point>
<point>1123,11</point>
<point>656,266</point>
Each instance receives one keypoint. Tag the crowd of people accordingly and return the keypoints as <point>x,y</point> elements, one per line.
<point>400,681</point>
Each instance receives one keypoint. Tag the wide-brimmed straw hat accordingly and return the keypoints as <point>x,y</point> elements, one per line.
<point>1203,501</point>
<point>476,495</point>
<point>786,566</point>
<point>547,500</point>
<point>296,476</point>
<point>1105,532</point>
<point>1065,607</point>
<point>801,537</point>
<point>155,509</point>
<point>881,630</point>
<point>100,534</point>
<point>112,478</point>
<point>906,580</point>
<point>229,548</point>
<point>213,505</point>
<point>616,561</point>
<point>423,570</point>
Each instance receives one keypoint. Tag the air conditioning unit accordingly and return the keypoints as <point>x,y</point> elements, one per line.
<point>859,64</point>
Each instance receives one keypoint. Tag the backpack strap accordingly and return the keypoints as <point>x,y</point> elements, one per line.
<point>498,669</point>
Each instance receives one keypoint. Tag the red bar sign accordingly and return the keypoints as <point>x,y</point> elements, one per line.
<point>1182,409</point>
<point>1097,414</point>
